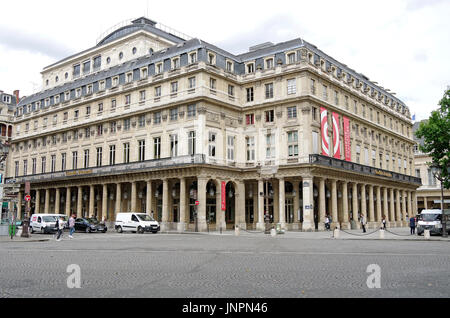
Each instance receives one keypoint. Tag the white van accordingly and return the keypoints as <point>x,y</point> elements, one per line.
<point>430,220</point>
<point>43,223</point>
<point>135,222</point>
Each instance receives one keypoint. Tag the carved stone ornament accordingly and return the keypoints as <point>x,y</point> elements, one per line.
<point>133,124</point>
<point>222,115</point>
<point>258,117</point>
<point>149,121</point>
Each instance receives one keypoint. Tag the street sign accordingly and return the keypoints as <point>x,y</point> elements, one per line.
<point>27,198</point>
<point>197,202</point>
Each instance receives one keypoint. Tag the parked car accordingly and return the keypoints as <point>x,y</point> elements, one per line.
<point>43,223</point>
<point>136,222</point>
<point>89,225</point>
<point>431,220</point>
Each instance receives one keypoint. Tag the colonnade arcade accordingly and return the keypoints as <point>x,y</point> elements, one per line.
<point>303,201</point>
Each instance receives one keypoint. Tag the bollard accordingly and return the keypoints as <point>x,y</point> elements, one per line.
<point>426,234</point>
<point>381,234</point>
<point>236,231</point>
<point>336,233</point>
<point>273,232</point>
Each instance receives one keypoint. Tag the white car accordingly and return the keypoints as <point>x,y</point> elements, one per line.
<point>430,220</point>
<point>135,222</point>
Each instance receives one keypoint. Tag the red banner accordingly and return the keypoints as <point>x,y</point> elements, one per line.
<point>347,142</point>
<point>324,131</point>
<point>336,137</point>
<point>223,195</point>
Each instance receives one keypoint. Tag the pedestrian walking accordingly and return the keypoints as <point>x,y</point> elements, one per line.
<point>363,223</point>
<point>384,222</point>
<point>71,225</point>
<point>60,227</point>
<point>412,225</point>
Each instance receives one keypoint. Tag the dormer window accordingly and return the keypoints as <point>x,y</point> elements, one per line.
<point>175,63</point>
<point>97,62</point>
<point>76,70</point>
<point>250,68</point>
<point>229,66</point>
<point>47,102</point>
<point>291,58</point>
<point>57,99</point>
<point>211,58</point>
<point>89,89</point>
<point>86,67</point>
<point>144,73</point>
<point>78,93</point>
<point>67,96</point>
<point>193,58</point>
<point>115,81</point>
<point>269,63</point>
<point>102,85</point>
<point>129,77</point>
<point>159,68</point>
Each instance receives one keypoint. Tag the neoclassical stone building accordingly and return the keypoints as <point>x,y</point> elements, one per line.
<point>152,120</point>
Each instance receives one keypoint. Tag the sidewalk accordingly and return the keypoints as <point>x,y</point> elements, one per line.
<point>7,239</point>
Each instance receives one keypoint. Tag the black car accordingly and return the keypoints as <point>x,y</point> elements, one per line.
<point>89,225</point>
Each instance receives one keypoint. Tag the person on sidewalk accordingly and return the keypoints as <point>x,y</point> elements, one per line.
<point>383,222</point>
<point>71,225</point>
<point>363,223</point>
<point>327,223</point>
<point>412,225</point>
<point>60,227</point>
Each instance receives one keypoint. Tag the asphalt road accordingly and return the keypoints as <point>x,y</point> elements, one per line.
<point>183,265</point>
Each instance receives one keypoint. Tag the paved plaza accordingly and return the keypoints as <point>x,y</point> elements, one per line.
<point>296,264</point>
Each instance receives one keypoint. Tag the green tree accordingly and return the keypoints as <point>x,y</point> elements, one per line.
<point>436,135</point>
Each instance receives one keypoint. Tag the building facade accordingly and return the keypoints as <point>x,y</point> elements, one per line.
<point>152,120</point>
<point>429,193</point>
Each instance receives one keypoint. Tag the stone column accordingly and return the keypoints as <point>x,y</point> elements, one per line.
<point>276,198</point>
<point>91,200</point>
<point>240,204</point>
<point>133,197</point>
<point>371,208</point>
<point>308,204</point>
<point>345,223</point>
<point>220,214</point>
<point>355,205</point>
<point>37,206</point>
<point>334,205</point>
<point>201,197</point>
<point>425,203</point>
<point>363,201</point>
<point>404,222</point>
<point>260,225</point>
<point>57,200</point>
<point>118,198</point>
<point>255,202</point>
<point>104,203</point>
<point>414,203</point>
<point>411,213</point>
<point>182,224</point>
<point>149,197</point>
<point>282,203</point>
<point>47,201</point>
<point>165,206</point>
<point>68,200</point>
<point>385,205</point>
<point>378,206</point>
<point>392,208</point>
<point>322,205</point>
<point>397,208</point>
<point>80,202</point>
<point>296,225</point>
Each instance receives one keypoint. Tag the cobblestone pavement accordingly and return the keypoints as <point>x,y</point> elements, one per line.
<point>296,264</point>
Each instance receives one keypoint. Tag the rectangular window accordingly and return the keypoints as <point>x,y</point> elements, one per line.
<point>270,146</point>
<point>63,162</point>
<point>113,103</point>
<point>126,124</point>
<point>16,169</point>
<point>87,132</point>
<point>174,114</point>
<point>157,93</point>
<point>269,116</point>
<point>43,164</point>
<point>336,97</point>
<point>212,144</point>
<point>191,84</point>
<point>159,68</point>
<point>141,150</point>
<point>86,158</point>
<point>250,119</point>
<point>126,152</point>
<point>157,147</point>
<point>269,90</point>
<point>250,94</point>
<point>88,110</point>
<point>250,148</point>
<point>212,85</point>
<point>74,160</point>
<point>292,144</point>
<point>157,118</point>
<point>33,167</point>
<point>127,99</point>
<point>191,110</point>
<point>230,148</point>
<point>291,58</point>
<point>325,92</point>
<point>193,58</point>
<point>99,130</point>
<point>141,121</point>
<point>25,167</point>
<point>313,87</point>
<point>173,146</point>
<point>292,86</point>
<point>173,88</point>
<point>142,96</point>
<point>112,155</point>
<point>99,156</point>
<point>230,91</point>
<point>250,68</point>
<point>191,143</point>
<point>113,127</point>
<point>292,112</point>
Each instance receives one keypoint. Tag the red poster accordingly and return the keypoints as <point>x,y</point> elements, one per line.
<point>336,138</point>
<point>223,195</point>
<point>324,131</point>
<point>347,143</point>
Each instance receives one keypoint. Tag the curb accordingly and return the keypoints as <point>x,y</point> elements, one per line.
<point>24,241</point>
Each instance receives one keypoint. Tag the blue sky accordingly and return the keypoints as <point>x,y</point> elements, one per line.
<point>401,44</point>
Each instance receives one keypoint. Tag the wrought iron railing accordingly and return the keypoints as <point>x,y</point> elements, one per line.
<point>356,167</point>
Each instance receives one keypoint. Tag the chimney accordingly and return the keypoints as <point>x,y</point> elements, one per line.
<point>16,93</point>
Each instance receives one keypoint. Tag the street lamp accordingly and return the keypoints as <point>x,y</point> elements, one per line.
<point>437,173</point>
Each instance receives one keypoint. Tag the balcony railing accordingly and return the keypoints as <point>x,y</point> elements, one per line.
<point>140,166</point>
<point>356,167</point>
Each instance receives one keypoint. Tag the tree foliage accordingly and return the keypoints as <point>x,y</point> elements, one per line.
<point>436,135</point>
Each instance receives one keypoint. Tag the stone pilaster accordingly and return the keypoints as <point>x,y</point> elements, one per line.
<point>91,200</point>
<point>68,200</point>
<point>282,203</point>
<point>308,204</point>
<point>47,201</point>
<point>322,205</point>
<point>260,225</point>
<point>57,200</point>
<point>240,204</point>
<point>334,204</point>
<point>37,206</point>
<point>371,217</point>
<point>345,222</point>
<point>104,212</point>
<point>182,224</point>
<point>355,205</point>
